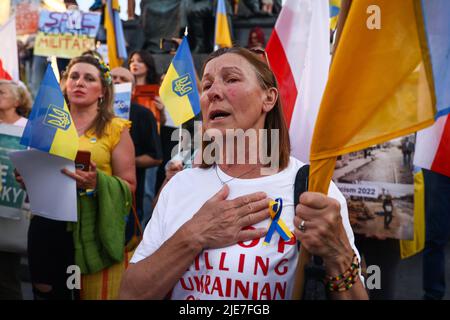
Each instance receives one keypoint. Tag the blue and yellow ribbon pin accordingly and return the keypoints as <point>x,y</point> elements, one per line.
<point>277,224</point>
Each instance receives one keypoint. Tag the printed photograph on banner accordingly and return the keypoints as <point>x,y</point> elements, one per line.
<point>378,184</point>
<point>27,16</point>
<point>12,196</point>
<point>66,34</point>
<point>122,100</point>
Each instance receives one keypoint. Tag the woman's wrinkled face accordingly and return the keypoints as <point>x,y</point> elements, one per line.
<point>137,66</point>
<point>232,97</point>
<point>84,86</point>
<point>7,98</point>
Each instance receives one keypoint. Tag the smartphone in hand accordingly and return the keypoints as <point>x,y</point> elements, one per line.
<point>83,160</point>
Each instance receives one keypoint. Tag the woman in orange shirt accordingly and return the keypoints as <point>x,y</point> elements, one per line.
<point>142,66</point>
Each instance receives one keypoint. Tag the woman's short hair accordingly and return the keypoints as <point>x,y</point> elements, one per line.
<point>274,118</point>
<point>152,76</point>
<point>22,95</point>
<point>106,111</point>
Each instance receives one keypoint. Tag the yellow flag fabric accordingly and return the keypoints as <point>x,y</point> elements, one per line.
<point>222,32</point>
<point>409,248</point>
<point>111,42</point>
<point>378,87</point>
<point>179,91</point>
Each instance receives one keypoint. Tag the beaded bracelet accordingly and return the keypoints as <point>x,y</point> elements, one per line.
<point>346,284</point>
<point>345,280</point>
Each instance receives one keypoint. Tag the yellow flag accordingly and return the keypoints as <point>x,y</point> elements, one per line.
<point>113,59</point>
<point>222,36</point>
<point>378,87</point>
<point>409,248</point>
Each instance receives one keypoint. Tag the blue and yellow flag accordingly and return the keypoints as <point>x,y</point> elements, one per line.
<point>115,38</point>
<point>179,91</point>
<point>222,36</point>
<point>335,7</point>
<point>50,127</point>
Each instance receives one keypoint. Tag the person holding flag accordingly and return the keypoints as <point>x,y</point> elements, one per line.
<point>104,188</point>
<point>208,243</point>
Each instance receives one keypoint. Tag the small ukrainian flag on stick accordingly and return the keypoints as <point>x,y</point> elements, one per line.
<point>222,35</point>
<point>50,127</point>
<point>178,91</point>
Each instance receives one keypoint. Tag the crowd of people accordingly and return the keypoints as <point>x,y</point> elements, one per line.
<point>219,213</point>
<point>152,228</point>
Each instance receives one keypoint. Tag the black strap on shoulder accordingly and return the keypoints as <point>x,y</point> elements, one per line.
<point>314,288</point>
<point>301,183</point>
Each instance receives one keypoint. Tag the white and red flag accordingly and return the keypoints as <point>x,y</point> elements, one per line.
<point>433,147</point>
<point>299,55</point>
<point>9,62</point>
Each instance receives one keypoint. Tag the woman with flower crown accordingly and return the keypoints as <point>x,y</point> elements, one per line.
<point>58,250</point>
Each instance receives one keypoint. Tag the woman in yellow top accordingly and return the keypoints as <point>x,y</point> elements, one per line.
<point>89,92</point>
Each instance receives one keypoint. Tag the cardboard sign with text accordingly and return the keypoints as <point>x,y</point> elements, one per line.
<point>66,34</point>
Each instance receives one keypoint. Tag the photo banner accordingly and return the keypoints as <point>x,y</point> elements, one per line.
<point>66,34</point>
<point>378,185</point>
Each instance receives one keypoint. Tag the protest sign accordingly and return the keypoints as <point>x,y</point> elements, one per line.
<point>122,100</point>
<point>378,185</point>
<point>66,34</point>
<point>12,196</point>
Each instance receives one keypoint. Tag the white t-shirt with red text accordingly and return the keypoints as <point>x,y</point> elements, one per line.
<point>248,270</point>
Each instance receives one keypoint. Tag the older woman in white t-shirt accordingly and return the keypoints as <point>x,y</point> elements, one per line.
<point>208,237</point>
<point>15,104</point>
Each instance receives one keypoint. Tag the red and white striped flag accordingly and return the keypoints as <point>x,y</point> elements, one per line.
<point>9,62</point>
<point>433,147</point>
<point>299,55</point>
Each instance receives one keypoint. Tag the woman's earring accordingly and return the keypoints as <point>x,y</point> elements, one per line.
<point>100,100</point>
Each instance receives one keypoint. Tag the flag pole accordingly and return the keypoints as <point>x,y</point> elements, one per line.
<point>180,137</point>
<point>305,256</point>
<point>180,128</point>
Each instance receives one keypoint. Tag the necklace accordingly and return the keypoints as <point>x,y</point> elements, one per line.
<point>225,182</point>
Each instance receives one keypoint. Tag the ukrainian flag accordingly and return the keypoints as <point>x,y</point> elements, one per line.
<point>50,127</point>
<point>222,37</point>
<point>335,7</point>
<point>115,37</point>
<point>179,91</point>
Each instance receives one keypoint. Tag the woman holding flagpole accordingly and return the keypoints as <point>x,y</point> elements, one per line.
<point>96,241</point>
<point>229,229</point>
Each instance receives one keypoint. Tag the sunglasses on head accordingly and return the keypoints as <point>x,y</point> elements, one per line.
<point>262,54</point>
